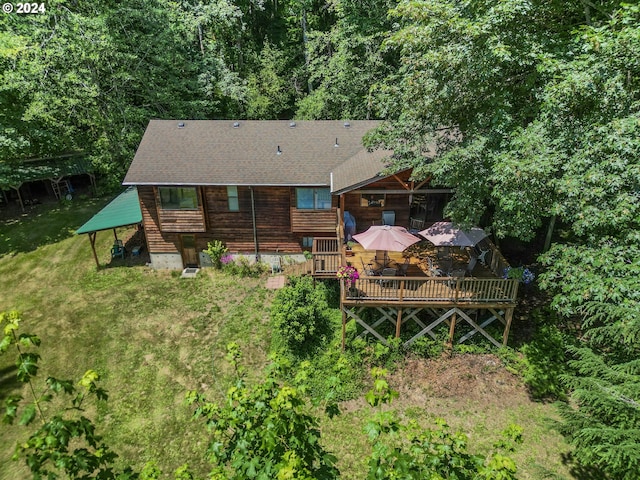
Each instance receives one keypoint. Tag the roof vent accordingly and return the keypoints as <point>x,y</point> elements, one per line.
<point>292,124</point>
<point>236,124</point>
<point>347,124</point>
<point>181,125</point>
<point>336,144</point>
<point>278,151</point>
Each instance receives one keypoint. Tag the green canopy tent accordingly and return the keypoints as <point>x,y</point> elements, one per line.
<point>122,211</point>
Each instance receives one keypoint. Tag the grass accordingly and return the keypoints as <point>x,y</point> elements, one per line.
<point>153,336</point>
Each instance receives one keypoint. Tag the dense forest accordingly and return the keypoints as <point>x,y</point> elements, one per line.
<point>540,100</point>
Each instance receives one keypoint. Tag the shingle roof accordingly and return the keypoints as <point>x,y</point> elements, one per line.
<point>213,152</point>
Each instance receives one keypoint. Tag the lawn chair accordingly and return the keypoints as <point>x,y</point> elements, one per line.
<point>118,250</point>
<point>276,265</point>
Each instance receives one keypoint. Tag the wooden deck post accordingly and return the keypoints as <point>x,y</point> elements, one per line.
<point>508,317</point>
<point>452,327</point>
<point>92,239</point>
<point>398,322</point>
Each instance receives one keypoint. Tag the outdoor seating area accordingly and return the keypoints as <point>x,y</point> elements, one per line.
<point>433,278</point>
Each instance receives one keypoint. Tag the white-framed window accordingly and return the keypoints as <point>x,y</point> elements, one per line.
<point>372,200</point>
<point>313,198</point>
<point>232,196</point>
<point>178,198</point>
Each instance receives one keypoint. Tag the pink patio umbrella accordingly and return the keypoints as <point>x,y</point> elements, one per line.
<point>446,234</point>
<point>384,238</point>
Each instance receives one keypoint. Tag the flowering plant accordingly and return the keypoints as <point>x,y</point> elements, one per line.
<point>350,274</point>
<point>522,274</point>
<point>226,259</point>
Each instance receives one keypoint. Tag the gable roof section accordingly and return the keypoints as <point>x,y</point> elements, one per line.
<point>361,169</point>
<point>213,152</point>
<point>121,211</point>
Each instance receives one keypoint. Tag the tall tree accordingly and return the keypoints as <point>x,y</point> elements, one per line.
<point>535,109</point>
<point>86,76</point>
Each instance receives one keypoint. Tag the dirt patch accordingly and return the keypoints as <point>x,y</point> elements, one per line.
<point>478,377</point>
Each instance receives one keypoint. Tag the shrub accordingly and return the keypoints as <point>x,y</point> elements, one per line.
<point>300,316</point>
<point>242,266</point>
<point>216,250</point>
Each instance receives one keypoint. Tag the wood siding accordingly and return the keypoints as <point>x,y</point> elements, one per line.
<point>280,227</point>
<point>313,220</point>
<point>184,221</point>
<point>157,241</point>
<point>367,216</point>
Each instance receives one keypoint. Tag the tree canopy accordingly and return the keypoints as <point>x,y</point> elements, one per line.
<point>534,106</point>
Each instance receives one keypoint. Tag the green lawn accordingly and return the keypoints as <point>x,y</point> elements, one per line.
<point>153,336</point>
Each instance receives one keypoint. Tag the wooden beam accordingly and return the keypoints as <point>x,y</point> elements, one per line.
<point>380,191</point>
<point>401,182</point>
<point>505,335</point>
<point>92,239</point>
<point>398,322</point>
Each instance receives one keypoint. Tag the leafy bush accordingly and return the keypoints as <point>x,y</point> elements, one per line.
<point>242,266</point>
<point>300,317</point>
<point>264,430</point>
<point>216,250</point>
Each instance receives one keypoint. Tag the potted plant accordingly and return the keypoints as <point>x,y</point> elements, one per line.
<point>349,274</point>
<point>349,251</point>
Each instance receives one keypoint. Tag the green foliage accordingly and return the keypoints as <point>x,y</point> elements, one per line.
<point>541,106</point>
<point>416,453</point>
<point>65,443</point>
<point>300,318</point>
<point>545,359</point>
<point>216,251</point>
<point>242,267</point>
<point>263,431</point>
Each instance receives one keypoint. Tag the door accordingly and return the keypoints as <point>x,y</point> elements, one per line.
<point>189,252</point>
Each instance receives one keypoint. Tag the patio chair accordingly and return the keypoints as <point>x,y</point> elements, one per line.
<point>117,250</point>
<point>472,264</point>
<point>402,270</point>
<point>433,271</point>
<point>388,217</point>
<point>388,272</point>
<point>481,253</point>
<point>367,269</point>
<point>381,258</point>
<point>276,265</point>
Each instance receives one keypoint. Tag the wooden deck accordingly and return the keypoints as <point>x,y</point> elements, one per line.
<point>418,299</point>
<point>442,291</point>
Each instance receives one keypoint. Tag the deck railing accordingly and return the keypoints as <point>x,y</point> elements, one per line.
<point>431,290</point>
<point>497,263</point>
<point>327,256</point>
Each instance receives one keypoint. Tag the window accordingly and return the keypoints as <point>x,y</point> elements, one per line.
<point>313,198</point>
<point>307,242</point>
<point>232,195</point>
<point>178,198</point>
<point>372,200</point>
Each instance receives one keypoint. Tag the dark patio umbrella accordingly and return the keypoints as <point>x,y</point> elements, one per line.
<point>445,234</point>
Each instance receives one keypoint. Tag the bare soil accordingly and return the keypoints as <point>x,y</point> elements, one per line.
<point>477,377</point>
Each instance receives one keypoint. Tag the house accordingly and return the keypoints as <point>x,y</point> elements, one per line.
<point>269,188</point>
<point>265,187</point>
